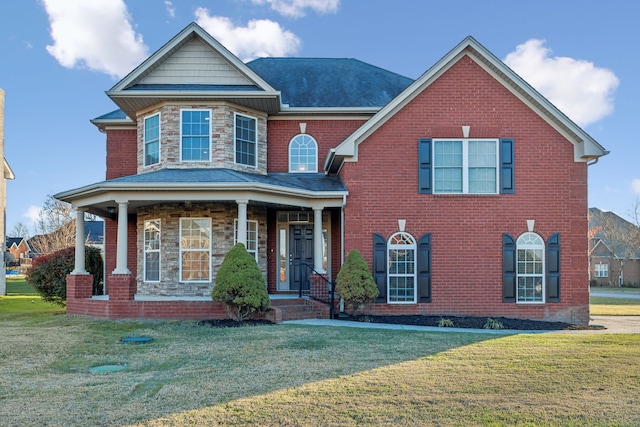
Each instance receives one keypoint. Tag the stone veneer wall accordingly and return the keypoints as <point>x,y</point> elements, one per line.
<point>222,138</point>
<point>222,223</point>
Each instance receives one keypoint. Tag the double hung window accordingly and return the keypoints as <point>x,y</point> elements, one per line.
<point>152,250</point>
<point>195,249</point>
<point>530,268</point>
<point>602,270</point>
<point>152,140</point>
<point>245,140</point>
<point>401,252</point>
<point>195,135</point>
<point>252,237</point>
<point>465,166</point>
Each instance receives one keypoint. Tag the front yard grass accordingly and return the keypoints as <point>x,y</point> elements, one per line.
<point>610,306</point>
<point>302,375</point>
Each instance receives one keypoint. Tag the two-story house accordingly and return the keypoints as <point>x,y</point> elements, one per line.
<point>465,189</point>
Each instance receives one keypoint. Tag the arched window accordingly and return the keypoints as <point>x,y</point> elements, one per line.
<point>401,258</point>
<point>303,154</point>
<point>530,268</point>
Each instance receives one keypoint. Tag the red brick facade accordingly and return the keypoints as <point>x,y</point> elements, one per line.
<point>550,188</point>
<point>381,177</point>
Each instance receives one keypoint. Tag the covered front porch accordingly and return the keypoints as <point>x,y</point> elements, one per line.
<point>154,269</point>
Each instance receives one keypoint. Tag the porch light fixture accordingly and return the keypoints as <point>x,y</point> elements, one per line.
<point>111,210</point>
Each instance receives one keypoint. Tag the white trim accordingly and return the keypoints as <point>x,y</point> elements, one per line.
<point>235,142</point>
<point>586,148</point>
<point>210,145</point>
<point>255,251</point>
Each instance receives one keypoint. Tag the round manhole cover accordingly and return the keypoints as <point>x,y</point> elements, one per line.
<point>137,340</point>
<point>107,369</point>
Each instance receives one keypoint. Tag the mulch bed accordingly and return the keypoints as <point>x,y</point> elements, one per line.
<point>458,322</point>
<point>469,322</point>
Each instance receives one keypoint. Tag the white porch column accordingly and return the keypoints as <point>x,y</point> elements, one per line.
<point>79,267</point>
<point>242,222</point>
<point>121,251</point>
<point>317,240</point>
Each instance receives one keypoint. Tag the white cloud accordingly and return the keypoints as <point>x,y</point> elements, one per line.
<point>635,186</point>
<point>258,39</point>
<point>32,214</point>
<point>95,34</point>
<point>171,10</point>
<point>577,87</point>
<point>296,8</point>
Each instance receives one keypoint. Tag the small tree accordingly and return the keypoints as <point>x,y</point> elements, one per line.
<point>48,273</point>
<point>355,283</point>
<point>240,285</point>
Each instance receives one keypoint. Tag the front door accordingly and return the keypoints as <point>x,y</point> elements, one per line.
<point>300,256</point>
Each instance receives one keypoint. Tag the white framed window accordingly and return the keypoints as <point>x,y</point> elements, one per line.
<point>465,166</point>
<point>602,270</point>
<point>530,269</point>
<point>195,135</point>
<point>401,259</point>
<point>152,140</point>
<point>303,154</point>
<point>252,236</point>
<point>152,235</point>
<point>195,249</point>
<point>246,141</point>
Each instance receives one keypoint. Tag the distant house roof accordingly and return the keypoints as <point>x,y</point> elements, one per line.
<point>14,241</point>
<point>328,82</point>
<point>598,220</point>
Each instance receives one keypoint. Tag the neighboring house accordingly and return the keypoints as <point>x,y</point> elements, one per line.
<point>614,250</point>
<point>19,249</point>
<point>465,190</point>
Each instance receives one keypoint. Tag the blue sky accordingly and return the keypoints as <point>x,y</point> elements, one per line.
<point>60,56</point>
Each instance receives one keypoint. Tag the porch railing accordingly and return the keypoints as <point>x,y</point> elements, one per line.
<point>330,294</point>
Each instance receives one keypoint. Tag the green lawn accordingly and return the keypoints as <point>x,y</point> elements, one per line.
<point>297,375</point>
<point>610,306</point>
<point>18,286</point>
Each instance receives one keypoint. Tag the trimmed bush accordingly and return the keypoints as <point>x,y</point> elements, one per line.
<point>354,282</point>
<point>48,273</point>
<point>240,285</point>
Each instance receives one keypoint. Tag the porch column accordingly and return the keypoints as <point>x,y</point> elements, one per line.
<point>79,267</point>
<point>317,240</point>
<point>121,251</point>
<point>242,222</point>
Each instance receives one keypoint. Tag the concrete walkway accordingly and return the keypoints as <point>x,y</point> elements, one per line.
<point>605,324</point>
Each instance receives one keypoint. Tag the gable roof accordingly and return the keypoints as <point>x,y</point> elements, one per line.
<point>193,66</point>
<point>585,147</point>
<point>330,82</point>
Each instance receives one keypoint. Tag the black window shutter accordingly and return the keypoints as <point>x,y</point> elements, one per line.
<point>553,268</point>
<point>424,268</point>
<point>508,268</point>
<point>380,266</point>
<point>424,166</point>
<point>507,176</point>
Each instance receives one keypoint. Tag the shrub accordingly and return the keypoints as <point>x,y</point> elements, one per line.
<point>48,273</point>
<point>445,323</point>
<point>354,282</point>
<point>493,324</point>
<point>240,285</point>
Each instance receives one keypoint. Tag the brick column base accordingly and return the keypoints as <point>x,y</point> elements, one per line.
<point>121,287</point>
<point>319,287</point>
<point>79,286</point>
